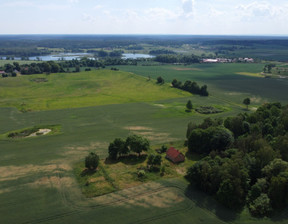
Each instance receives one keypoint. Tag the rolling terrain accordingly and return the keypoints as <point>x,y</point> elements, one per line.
<point>37,183</point>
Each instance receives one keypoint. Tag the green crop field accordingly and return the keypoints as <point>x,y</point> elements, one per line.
<point>223,80</point>
<point>91,109</point>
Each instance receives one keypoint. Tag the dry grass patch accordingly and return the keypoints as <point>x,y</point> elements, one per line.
<point>138,128</point>
<point>186,69</point>
<point>163,199</point>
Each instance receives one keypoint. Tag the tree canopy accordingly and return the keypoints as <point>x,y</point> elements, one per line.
<point>246,162</point>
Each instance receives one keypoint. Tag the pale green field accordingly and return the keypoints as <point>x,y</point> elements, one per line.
<point>98,87</point>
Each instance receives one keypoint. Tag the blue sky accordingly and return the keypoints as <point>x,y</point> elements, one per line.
<point>245,17</point>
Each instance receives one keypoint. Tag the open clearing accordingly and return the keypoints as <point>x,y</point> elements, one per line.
<point>37,184</point>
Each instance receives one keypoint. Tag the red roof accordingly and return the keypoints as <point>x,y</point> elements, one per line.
<point>174,155</point>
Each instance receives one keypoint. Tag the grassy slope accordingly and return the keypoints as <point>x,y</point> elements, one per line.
<point>81,90</point>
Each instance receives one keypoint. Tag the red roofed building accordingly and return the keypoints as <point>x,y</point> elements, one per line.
<point>174,155</point>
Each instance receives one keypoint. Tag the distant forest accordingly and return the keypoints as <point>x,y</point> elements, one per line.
<point>34,45</point>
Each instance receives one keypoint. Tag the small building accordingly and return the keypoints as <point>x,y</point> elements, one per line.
<point>174,155</point>
<point>2,72</point>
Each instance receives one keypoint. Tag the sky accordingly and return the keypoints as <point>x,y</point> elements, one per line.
<point>195,17</point>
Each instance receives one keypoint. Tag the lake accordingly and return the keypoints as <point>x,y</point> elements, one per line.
<point>71,56</point>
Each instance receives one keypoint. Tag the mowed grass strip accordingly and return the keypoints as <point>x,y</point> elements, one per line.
<point>82,89</point>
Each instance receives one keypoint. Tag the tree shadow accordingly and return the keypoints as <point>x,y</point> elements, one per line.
<point>194,156</point>
<point>279,215</point>
<point>133,159</point>
<point>87,172</point>
<point>206,201</point>
<point>128,160</point>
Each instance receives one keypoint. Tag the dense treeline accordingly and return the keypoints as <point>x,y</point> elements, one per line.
<point>247,159</point>
<point>186,59</point>
<point>191,87</point>
<point>63,66</point>
<point>23,52</point>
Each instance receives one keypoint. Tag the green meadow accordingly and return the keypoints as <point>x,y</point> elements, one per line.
<point>98,87</point>
<point>90,110</point>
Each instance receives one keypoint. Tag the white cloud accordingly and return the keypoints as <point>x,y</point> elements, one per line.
<point>262,10</point>
<point>98,7</point>
<point>19,4</point>
<point>89,18</point>
<point>73,1</point>
<point>160,14</point>
<point>188,7</point>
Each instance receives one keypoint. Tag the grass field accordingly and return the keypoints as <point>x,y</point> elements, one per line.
<point>98,87</point>
<point>37,181</point>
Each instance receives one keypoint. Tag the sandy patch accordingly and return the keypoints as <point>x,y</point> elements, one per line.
<point>186,69</point>
<point>40,132</point>
<point>181,170</point>
<point>159,105</point>
<point>138,128</point>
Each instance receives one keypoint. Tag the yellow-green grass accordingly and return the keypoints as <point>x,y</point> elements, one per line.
<point>250,74</point>
<point>83,89</point>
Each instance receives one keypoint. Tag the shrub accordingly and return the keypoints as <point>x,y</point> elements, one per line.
<point>92,161</point>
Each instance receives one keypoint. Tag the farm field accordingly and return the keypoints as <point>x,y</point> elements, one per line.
<point>223,80</point>
<point>37,183</point>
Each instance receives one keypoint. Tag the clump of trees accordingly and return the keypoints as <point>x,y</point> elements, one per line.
<point>246,159</point>
<point>133,144</point>
<point>92,161</point>
<point>160,80</point>
<point>191,87</point>
<point>268,68</point>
